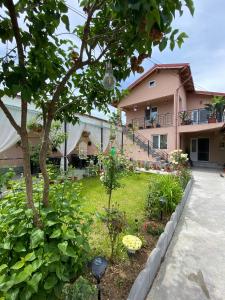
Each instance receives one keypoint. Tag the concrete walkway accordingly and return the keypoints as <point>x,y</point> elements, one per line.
<point>194,266</point>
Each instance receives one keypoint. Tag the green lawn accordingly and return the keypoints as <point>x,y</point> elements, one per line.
<point>130,197</point>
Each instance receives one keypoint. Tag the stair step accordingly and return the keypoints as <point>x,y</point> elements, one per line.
<point>143,144</point>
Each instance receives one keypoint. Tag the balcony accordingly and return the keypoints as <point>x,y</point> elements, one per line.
<point>163,120</point>
<point>199,116</point>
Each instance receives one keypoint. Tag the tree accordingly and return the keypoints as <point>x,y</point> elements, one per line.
<point>44,67</point>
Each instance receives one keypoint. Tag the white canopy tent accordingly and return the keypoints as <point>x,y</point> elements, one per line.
<point>8,135</point>
<point>99,129</point>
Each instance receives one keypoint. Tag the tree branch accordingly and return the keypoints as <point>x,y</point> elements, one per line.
<point>7,54</point>
<point>86,32</point>
<point>15,26</point>
<point>10,117</point>
<point>12,12</point>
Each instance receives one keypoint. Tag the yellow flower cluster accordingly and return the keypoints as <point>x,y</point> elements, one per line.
<point>132,242</point>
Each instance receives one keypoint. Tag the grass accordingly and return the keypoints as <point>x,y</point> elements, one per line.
<point>131,198</point>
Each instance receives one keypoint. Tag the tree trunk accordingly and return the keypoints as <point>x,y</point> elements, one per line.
<point>28,178</point>
<point>42,161</point>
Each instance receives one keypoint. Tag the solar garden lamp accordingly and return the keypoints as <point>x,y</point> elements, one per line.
<point>98,267</point>
<point>162,202</point>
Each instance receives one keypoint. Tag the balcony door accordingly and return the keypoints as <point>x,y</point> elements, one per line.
<point>151,113</point>
<point>203,149</point>
<point>199,149</point>
<point>199,116</point>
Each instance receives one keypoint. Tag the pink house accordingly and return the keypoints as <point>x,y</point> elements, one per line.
<point>166,113</point>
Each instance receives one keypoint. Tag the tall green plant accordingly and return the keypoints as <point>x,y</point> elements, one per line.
<point>166,187</point>
<point>114,167</point>
<point>36,262</point>
<point>217,107</point>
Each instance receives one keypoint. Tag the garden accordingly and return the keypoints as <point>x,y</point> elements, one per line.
<point>117,214</point>
<point>51,226</point>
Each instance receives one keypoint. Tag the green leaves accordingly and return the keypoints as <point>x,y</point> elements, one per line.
<point>66,22</point>
<point>18,265</point>
<point>67,250</point>
<point>180,39</point>
<point>163,44</point>
<point>19,247</point>
<point>37,238</point>
<point>23,275</point>
<point>3,267</point>
<point>30,257</point>
<point>42,258</point>
<point>56,233</point>
<point>50,282</point>
<point>190,5</point>
<point>34,281</point>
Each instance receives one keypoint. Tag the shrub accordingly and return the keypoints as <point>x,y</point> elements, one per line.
<point>5,179</point>
<point>154,229</point>
<point>167,187</point>
<point>115,221</point>
<point>82,289</point>
<point>178,158</point>
<point>36,262</point>
<point>184,175</point>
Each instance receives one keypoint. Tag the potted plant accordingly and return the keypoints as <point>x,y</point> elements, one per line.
<point>219,103</point>
<point>211,107</point>
<point>35,125</point>
<point>184,117</point>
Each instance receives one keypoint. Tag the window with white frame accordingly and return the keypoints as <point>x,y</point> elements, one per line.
<point>152,83</point>
<point>159,141</point>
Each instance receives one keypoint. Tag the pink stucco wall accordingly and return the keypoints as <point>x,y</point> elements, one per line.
<point>164,106</point>
<point>166,83</point>
<point>195,101</point>
<point>169,131</point>
<point>216,153</point>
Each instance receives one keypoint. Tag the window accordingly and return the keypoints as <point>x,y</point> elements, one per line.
<point>203,115</point>
<point>199,116</point>
<point>152,83</point>
<point>159,141</point>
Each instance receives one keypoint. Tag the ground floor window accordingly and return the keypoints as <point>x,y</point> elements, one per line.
<point>159,141</point>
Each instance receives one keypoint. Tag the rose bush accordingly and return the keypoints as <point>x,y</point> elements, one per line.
<point>178,158</point>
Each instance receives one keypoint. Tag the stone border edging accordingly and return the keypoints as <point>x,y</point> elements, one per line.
<point>144,280</point>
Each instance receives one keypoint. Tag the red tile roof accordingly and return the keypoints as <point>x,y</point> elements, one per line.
<point>209,93</point>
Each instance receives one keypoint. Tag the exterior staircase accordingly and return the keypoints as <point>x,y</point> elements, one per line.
<point>144,146</point>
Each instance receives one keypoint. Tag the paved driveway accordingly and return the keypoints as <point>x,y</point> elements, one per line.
<point>194,266</point>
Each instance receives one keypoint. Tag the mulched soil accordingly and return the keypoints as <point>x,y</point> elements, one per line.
<point>119,277</point>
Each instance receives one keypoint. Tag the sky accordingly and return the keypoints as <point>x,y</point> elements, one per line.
<point>204,49</point>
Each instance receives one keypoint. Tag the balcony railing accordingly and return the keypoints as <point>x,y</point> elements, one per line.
<point>199,116</point>
<point>163,120</point>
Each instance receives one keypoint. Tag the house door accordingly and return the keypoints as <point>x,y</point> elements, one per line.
<point>203,149</point>
<point>194,150</point>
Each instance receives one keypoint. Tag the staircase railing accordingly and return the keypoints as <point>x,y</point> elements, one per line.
<point>145,144</point>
